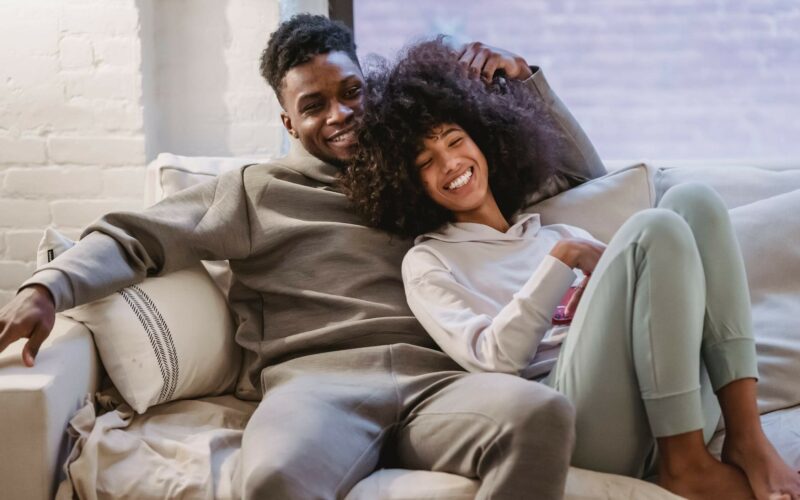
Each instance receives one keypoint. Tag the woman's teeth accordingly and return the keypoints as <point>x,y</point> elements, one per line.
<point>460,180</point>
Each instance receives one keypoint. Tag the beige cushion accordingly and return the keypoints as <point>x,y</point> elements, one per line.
<point>601,205</point>
<point>169,337</point>
<point>738,185</point>
<point>769,237</point>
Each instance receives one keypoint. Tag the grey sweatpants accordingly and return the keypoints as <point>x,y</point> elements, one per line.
<point>667,302</point>
<point>328,420</point>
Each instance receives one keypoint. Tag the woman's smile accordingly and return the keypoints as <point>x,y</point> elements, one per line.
<point>460,182</point>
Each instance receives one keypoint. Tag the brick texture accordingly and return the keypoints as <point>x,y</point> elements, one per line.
<point>90,90</point>
<point>70,120</point>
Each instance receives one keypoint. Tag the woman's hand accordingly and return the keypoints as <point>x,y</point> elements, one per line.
<point>572,305</point>
<point>579,253</point>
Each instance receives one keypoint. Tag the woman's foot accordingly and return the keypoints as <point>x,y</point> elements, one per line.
<point>707,480</point>
<point>769,476</point>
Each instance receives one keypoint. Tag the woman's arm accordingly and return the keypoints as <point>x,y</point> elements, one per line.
<point>461,322</point>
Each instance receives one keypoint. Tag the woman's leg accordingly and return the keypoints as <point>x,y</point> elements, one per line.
<point>631,362</point>
<point>728,345</point>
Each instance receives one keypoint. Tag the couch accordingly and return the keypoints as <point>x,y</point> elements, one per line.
<point>38,404</point>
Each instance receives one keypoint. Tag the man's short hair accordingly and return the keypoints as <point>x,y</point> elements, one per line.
<point>299,39</point>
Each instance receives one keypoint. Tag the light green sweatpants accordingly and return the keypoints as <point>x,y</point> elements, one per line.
<point>667,301</point>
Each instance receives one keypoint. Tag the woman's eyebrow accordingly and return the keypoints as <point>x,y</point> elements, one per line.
<point>444,134</point>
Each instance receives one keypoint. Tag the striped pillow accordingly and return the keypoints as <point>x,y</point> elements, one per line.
<point>166,338</point>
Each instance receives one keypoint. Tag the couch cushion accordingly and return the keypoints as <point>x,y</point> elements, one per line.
<point>169,337</point>
<point>769,238</point>
<point>170,173</point>
<point>738,185</point>
<point>601,205</point>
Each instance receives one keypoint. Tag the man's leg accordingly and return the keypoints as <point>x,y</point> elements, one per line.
<point>514,435</point>
<point>320,427</point>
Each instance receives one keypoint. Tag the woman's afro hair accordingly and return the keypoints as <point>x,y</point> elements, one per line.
<point>425,88</point>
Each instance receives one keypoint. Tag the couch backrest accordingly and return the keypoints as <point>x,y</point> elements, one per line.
<point>170,173</point>
<point>738,182</point>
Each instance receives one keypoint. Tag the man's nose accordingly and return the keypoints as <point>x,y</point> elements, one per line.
<point>340,113</point>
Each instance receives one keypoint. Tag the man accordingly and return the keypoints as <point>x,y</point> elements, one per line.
<point>347,378</point>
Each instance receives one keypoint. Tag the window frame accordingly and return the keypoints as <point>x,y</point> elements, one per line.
<point>342,10</point>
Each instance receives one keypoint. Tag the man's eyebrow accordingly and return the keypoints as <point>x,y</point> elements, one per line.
<point>309,96</point>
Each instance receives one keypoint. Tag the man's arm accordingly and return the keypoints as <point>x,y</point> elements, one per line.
<point>205,222</point>
<point>577,158</point>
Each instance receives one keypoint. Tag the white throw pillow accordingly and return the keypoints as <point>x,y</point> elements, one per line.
<point>169,337</point>
<point>601,205</point>
<point>769,237</point>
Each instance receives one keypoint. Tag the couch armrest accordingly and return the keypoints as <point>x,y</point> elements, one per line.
<point>37,403</point>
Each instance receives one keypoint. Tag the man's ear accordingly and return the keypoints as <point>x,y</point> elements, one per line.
<point>287,123</point>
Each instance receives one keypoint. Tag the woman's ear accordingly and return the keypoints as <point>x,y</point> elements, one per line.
<point>287,123</point>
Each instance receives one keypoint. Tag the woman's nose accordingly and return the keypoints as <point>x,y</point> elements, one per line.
<point>451,163</point>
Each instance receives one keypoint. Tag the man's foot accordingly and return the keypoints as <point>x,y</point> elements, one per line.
<point>710,480</point>
<point>769,476</point>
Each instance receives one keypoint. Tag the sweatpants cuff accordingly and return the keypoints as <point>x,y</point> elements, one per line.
<point>676,414</point>
<point>729,360</point>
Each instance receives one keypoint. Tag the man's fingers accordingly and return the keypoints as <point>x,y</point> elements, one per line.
<point>7,336</point>
<point>476,68</point>
<point>468,56</point>
<point>31,348</point>
<point>489,69</point>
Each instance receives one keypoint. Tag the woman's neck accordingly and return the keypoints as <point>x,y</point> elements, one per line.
<point>488,214</point>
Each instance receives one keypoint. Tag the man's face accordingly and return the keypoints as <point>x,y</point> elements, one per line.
<point>322,101</point>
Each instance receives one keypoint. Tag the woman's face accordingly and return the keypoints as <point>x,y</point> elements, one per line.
<point>453,170</point>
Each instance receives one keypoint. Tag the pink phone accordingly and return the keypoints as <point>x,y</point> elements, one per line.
<point>560,317</point>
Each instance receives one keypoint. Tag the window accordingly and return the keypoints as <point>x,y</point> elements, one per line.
<point>668,79</point>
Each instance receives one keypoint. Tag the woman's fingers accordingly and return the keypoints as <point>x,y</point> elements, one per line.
<point>572,305</point>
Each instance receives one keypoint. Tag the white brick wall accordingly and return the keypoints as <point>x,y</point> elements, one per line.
<point>89,94</point>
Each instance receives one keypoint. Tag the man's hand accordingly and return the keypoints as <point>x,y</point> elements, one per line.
<point>31,314</point>
<point>484,61</point>
<point>578,252</point>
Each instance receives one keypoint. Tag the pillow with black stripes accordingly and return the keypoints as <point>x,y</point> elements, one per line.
<point>166,338</point>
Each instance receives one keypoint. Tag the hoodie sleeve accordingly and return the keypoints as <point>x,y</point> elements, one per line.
<point>577,158</point>
<point>209,221</point>
<point>452,313</point>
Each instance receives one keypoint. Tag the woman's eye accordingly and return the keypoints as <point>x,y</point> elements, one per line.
<point>424,165</point>
<point>456,142</point>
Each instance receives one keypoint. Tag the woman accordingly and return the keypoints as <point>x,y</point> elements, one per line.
<point>450,160</point>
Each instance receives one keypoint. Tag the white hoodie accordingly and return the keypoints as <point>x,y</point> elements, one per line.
<point>487,297</point>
